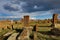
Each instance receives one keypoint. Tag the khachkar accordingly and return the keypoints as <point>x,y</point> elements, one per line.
<point>35,28</point>
<point>35,31</point>
<point>26,30</point>
<point>55,18</point>
<point>26,21</point>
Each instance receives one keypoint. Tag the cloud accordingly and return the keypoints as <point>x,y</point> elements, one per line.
<point>32,5</point>
<point>20,15</point>
<point>33,8</point>
<point>11,7</point>
<point>15,7</point>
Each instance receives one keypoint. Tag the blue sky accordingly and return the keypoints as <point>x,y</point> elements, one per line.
<point>36,9</point>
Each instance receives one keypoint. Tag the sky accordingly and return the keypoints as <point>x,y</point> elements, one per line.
<point>36,9</point>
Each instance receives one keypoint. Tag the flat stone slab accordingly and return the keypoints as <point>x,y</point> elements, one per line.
<point>13,36</point>
<point>8,33</point>
<point>57,25</point>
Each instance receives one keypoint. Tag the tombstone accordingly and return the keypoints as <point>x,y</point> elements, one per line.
<point>55,19</point>
<point>26,30</point>
<point>35,36</point>
<point>35,28</point>
<point>12,27</point>
<point>26,21</point>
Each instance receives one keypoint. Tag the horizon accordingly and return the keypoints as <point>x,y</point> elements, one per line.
<point>33,18</point>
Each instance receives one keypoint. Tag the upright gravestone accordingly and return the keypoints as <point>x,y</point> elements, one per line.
<point>35,28</point>
<point>55,19</point>
<point>35,36</point>
<point>26,31</point>
<point>26,21</point>
<point>35,31</point>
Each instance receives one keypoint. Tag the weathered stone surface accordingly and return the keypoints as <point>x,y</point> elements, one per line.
<point>26,21</point>
<point>25,33</point>
<point>8,33</point>
<point>35,36</point>
<point>57,26</point>
<point>13,36</point>
<point>55,19</point>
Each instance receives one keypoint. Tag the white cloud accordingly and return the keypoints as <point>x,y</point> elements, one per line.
<point>35,6</point>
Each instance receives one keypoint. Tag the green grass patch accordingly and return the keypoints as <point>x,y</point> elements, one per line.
<point>44,28</point>
<point>4,31</point>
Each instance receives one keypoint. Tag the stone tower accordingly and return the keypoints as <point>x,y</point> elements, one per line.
<point>26,21</point>
<point>55,19</point>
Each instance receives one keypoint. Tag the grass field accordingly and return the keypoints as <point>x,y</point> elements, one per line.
<point>47,37</point>
<point>44,28</point>
<point>4,31</point>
